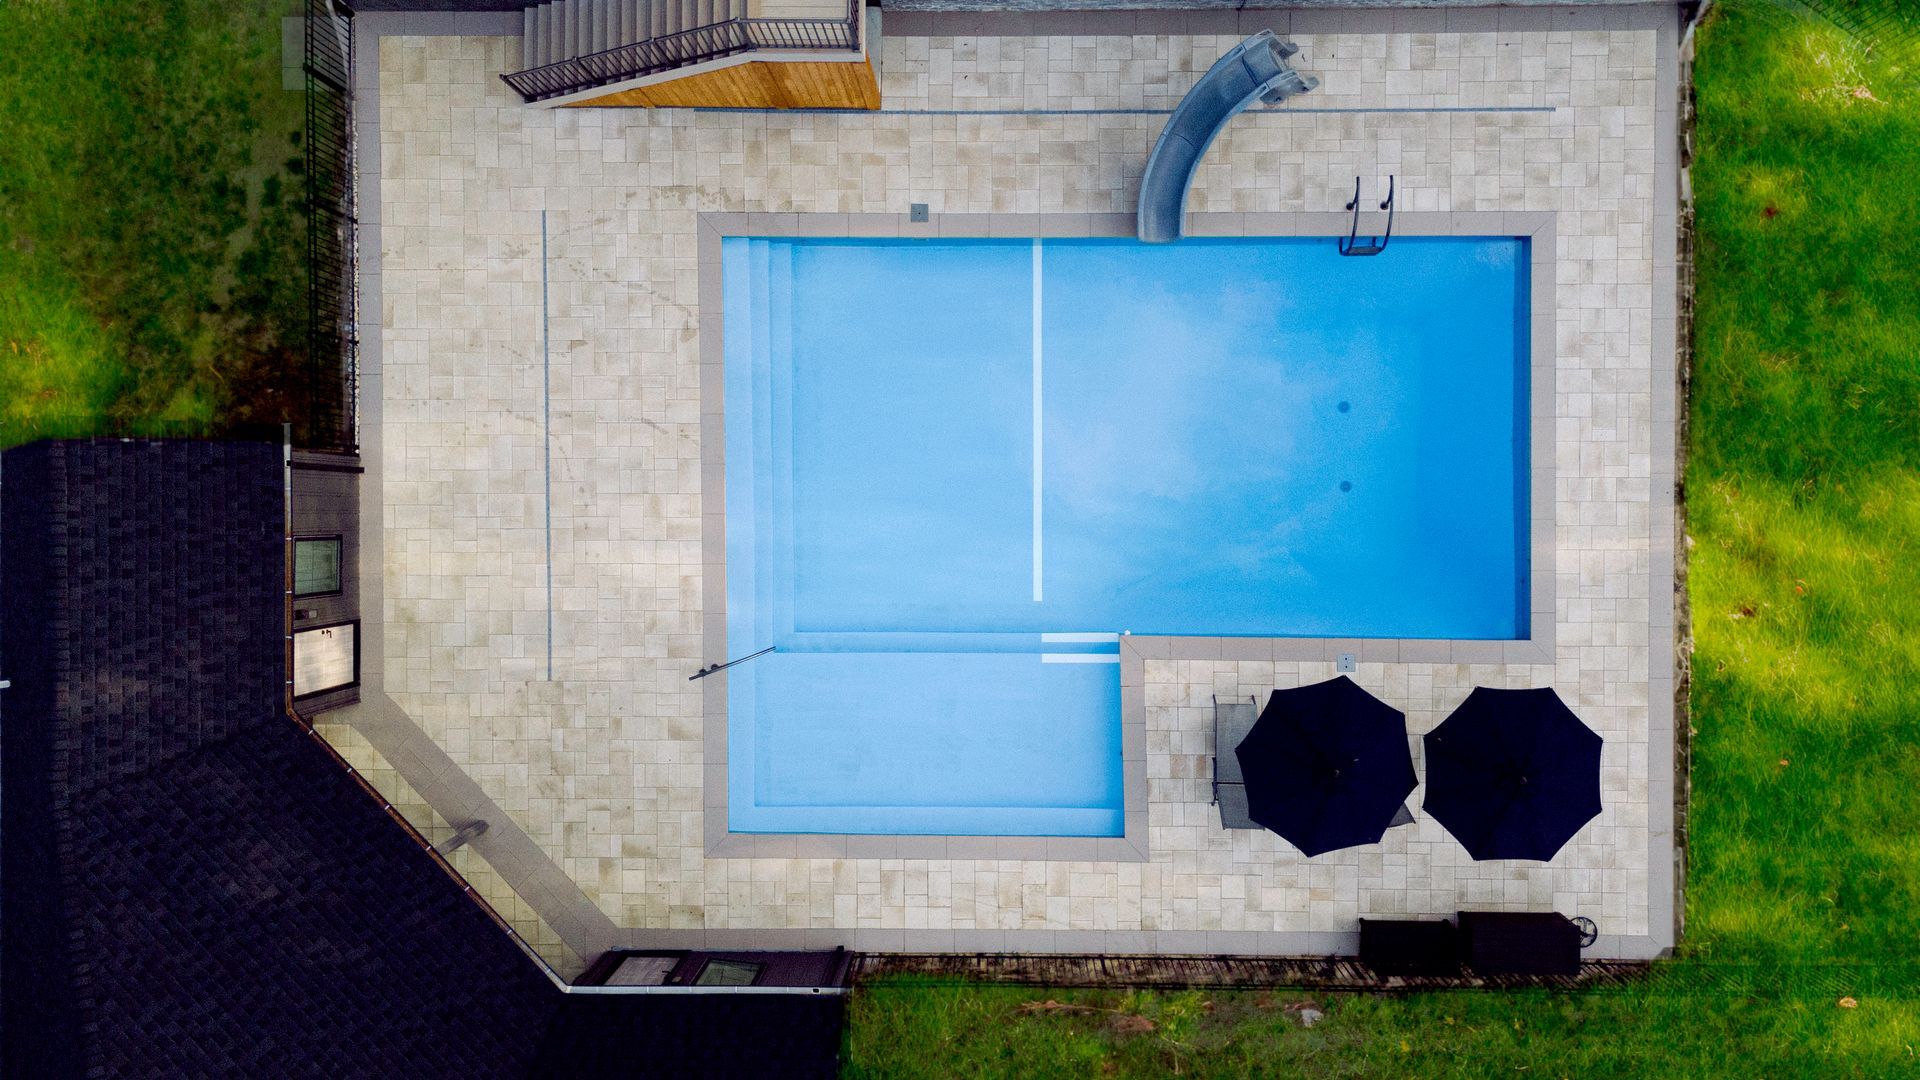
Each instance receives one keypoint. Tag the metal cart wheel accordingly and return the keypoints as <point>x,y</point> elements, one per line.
<point>1589,933</point>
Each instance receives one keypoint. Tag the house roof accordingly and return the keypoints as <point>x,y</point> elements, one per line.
<point>189,883</point>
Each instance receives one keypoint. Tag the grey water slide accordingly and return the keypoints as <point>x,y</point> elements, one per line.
<point>1254,70</point>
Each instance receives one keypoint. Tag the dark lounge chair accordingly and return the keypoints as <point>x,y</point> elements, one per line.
<point>1231,722</point>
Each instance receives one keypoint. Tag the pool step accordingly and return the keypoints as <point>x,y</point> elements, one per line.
<point>760,419</point>
<point>1080,648</point>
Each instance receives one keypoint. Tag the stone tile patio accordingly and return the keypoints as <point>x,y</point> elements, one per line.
<point>597,753</point>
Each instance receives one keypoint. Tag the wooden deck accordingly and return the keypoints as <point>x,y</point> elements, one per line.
<point>768,84</point>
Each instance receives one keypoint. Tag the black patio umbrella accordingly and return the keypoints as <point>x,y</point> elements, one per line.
<point>1327,766</point>
<point>1513,774</point>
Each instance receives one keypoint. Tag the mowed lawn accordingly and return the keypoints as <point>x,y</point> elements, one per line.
<point>152,231</point>
<point>1803,490</point>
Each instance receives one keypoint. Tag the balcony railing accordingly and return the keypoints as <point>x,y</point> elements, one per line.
<point>698,45</point>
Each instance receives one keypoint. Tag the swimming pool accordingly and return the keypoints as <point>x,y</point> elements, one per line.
<point>957,470</point>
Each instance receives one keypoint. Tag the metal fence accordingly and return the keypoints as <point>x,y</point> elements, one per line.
<point>1880,26</point>
<point>727,37</point>
<point>1875,20</point>
<point>1894,979</point>
<point>1214,972</point>
<point>326,417</point>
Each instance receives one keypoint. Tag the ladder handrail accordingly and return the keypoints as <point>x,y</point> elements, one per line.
<point>1375,244</point>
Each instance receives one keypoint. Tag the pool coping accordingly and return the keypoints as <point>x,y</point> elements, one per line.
<point>1539,227</point>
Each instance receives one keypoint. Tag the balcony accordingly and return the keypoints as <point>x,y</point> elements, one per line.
<point>696,53</point>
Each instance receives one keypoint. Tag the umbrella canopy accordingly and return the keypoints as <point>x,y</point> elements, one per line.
<point>1327,766</point>
<point>1513,774</point>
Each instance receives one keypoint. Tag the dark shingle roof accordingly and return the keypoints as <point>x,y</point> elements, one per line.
<point>156,572</point>
<point>246,910</point>
<point>189,885</point>
<point>139,624</point>
<point>789,1037</point>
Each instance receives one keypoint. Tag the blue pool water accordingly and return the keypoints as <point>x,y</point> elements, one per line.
<point>956,470</point>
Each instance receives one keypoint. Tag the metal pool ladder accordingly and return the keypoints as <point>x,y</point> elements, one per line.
<point>1375,244</point>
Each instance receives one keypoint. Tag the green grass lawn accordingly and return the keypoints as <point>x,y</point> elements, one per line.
<point>1803,487</point>
<point>152,235</point>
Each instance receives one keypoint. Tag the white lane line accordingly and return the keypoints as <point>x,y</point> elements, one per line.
<point>1037,546</point>
<point>1078,658</point>
<point>1071,639</point>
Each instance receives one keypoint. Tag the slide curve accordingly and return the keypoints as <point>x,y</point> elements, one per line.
<point>1254,70</point>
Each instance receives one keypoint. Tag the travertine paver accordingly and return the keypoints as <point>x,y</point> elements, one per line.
<point>603,765</point>
<point>385,779</point>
